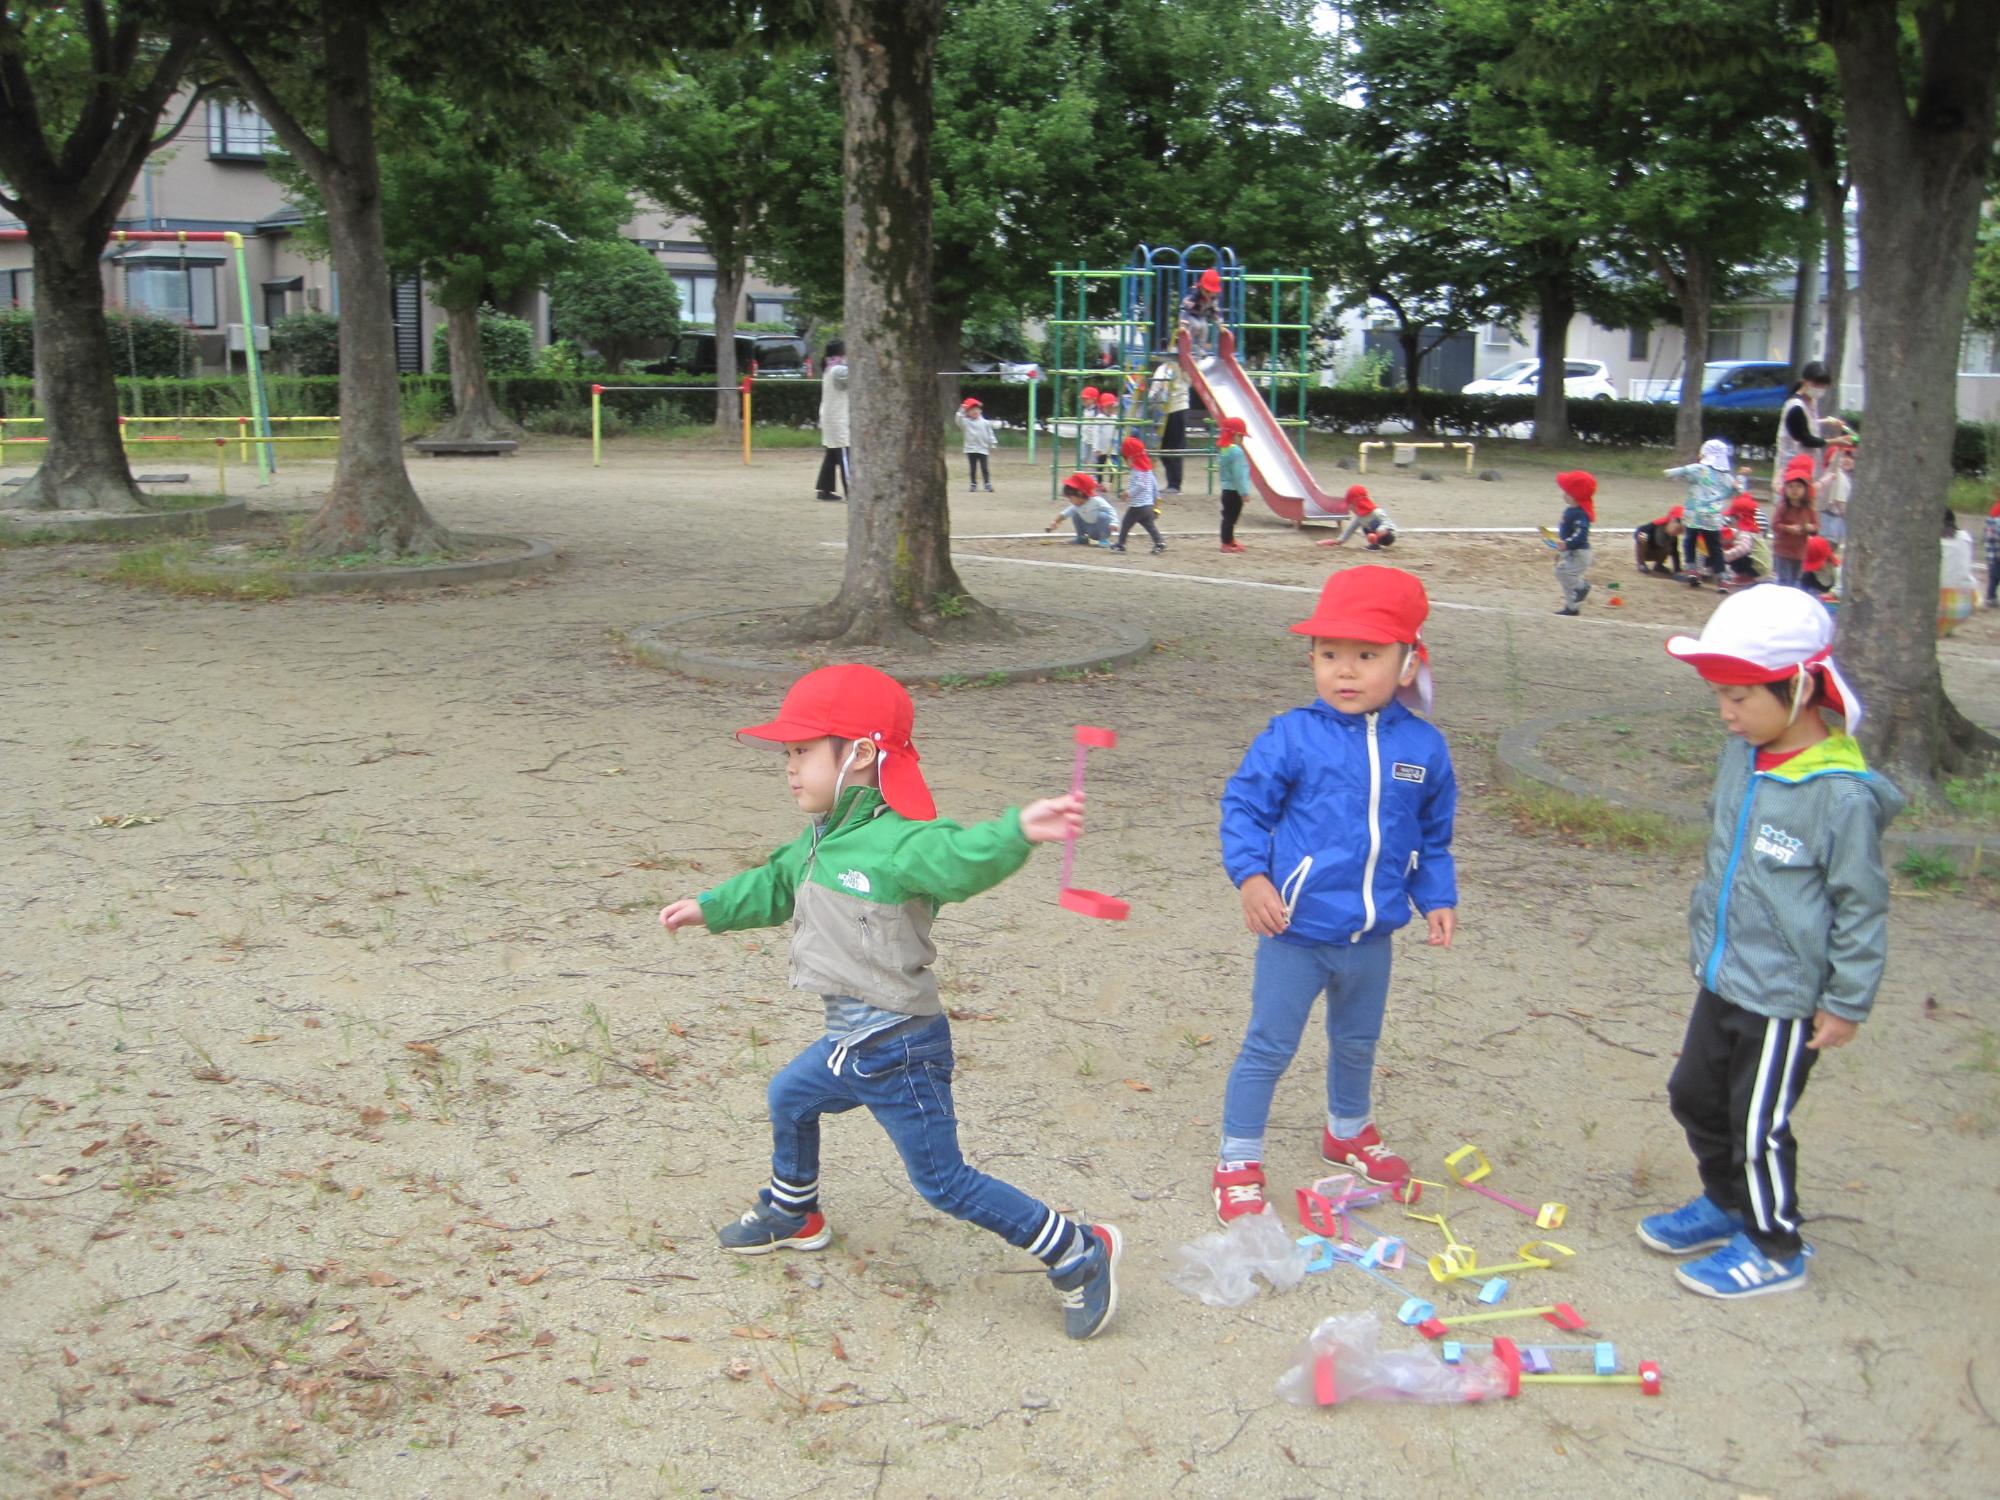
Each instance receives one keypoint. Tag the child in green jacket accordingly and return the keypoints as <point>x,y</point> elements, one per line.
<point>864,883</point>
<point>1233,469</point>
<point>1789,932</point>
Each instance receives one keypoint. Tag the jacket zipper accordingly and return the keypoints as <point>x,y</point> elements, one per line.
<point>1374,832</point>
<point>1729,881</point>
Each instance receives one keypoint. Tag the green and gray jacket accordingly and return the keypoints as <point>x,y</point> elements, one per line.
<point>1792,912</point>
<point>865,883</point>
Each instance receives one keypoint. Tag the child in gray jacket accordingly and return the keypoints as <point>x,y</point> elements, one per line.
<point>1789,928</point>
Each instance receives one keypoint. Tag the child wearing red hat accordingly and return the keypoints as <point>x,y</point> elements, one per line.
<point>863,885</point>
<point>980,439</point>
<point>1745,551</point>
<point>1088,511</point>
<point>1232,467</point>
<point>1819,571</point>
<point>1199,310</point>
<point>1793,520</point>
<point>1336,824</point>
<point>1103,435</point>
<point>1656,544</point>
<point>1788,931</point>
<point>1993,554</point>
<point>1142,491</point>
<point>1573,538</point>
<point>1365,517</point>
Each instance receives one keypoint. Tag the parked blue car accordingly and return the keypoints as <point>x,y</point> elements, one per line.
<point>1739,382</point>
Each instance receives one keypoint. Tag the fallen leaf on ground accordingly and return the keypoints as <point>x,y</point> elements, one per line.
<point>839,1349</point>
<point>749,1331</point>
<point>1136,1086</point>
<point>505,1409</point>
<point>531,1277</point>
<point>380,1278</point>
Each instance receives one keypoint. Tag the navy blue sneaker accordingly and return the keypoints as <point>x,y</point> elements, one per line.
<point>1090,1287</point>
<point>764,1229</point>
<point>1740,1269</point>
<point>1693,1227</point>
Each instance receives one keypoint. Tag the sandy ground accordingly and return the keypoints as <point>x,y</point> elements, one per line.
<point>361,1133</point>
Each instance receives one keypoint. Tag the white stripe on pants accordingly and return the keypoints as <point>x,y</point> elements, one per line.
<point>1772,1205</point>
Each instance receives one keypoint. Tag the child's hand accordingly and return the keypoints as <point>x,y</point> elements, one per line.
<point>1263,907</point>
<point>685,912</point>
<point>1830,1031</point>
<point>1443,923</point>
<point>1053,819</point>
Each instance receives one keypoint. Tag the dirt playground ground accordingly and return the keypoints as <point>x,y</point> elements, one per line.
<point>362,1134</point>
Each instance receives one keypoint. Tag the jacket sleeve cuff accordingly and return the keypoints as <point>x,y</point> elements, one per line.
<point>1847,1010</point>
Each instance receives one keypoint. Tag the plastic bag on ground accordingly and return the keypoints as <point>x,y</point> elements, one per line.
<point>1340,1362</point>
<point>1222,1267</point>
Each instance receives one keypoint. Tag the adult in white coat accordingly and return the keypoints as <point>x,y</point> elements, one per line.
<point>833,436</point>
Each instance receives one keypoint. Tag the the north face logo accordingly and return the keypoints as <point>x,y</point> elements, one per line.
<point>855,881</point>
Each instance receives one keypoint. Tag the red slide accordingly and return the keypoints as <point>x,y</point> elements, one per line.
<point>1280,475</point>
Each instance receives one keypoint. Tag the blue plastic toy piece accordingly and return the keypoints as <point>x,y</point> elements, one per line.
<point>1453,1351</point>
<point>1493,1291</point>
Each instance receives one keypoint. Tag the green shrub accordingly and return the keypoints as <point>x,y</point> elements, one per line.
<point>306,343</point>
<point>615,297</point>
<point>507,342</point>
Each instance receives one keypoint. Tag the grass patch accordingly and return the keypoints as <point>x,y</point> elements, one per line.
<point>165,567</point>
<point>1929,870</point>
<point>1595,824</point>
<point>1975,796</point>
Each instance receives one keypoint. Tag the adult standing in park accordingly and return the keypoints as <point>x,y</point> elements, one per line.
<point>1168,394</point>
<point>833,434</point>
<point>1801,429</point>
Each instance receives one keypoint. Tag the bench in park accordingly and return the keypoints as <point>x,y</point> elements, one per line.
<point>465,447</point>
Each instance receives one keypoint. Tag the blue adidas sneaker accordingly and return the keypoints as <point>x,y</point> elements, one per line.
<point>1695,1226</point>
<point>1740,1269</point>
<point>1089,1287</point>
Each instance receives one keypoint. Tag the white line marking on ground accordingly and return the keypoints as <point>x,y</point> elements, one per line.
<point>1031,536</point>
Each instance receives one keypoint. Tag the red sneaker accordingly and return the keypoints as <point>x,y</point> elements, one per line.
<point>1239,1192</point>
<point>1234,547</point>
<point>1366,1154</point>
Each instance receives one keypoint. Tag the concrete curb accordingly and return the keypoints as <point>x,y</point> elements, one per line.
<point>654,646</point>
<point>1520,765</point>
<point>537,557</point>
<point>50,525</point>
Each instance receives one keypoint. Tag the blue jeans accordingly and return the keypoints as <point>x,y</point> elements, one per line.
<point>904,1081</point>
<point>1290,977</point>
<point>1091,531</point>
<point>1787,570</point>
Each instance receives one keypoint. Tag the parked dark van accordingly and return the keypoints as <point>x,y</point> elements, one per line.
<point>774,353</point>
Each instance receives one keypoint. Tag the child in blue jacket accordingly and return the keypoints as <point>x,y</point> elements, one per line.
<point>1788,931</point>
<point>1337,823</point>
<point>1573,553</point>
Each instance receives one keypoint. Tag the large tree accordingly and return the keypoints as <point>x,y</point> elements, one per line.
<point>82,92</point>
<point>1918,85</point>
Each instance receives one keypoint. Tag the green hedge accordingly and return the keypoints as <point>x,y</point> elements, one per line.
<point>141,344</point>
<point>507,342</point>
<point>306,343</point>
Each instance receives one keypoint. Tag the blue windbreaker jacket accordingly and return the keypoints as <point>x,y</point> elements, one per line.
<point>1350,816</point>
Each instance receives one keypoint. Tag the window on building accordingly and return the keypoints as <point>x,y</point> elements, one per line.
<point>1638,343</point>
<point>697,295</point>
<point>186,294</point>
<point>237,132</point>
<point>1497,336</point>
<point>1736,334</point>
<point>17,288</point>
<point>770,309</point>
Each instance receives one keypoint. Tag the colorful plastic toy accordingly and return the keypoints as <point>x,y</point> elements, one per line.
<point>1493,1291</point>
<point>1512,1361</point>
<point>1070,898</point>
<point>1603,1354</point>
<point>1536,1255</point>
<point>1323,1207</point>
<point>1457,1255</point>
<point>1548,1216</point>
<point>1561,1314</point>
<point>1414,1312</point>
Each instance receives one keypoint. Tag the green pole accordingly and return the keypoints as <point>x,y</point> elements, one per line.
<point>1033,382</point>
<point>259,410</point>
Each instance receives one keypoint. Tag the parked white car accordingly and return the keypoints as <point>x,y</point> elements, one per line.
<point>1583,379</point>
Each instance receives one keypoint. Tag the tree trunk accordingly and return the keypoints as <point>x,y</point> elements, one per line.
<point>1555,307</point>
<point>729,273</point>
<point>1805,294</point>
<point>948,344</point>
<point>1691,288</point>
<point>1833,208</point>
<point>1921,177</point>
<point>1407,339</point>
<point>83,466</point>
<point>476,418</point>
<point>898,567</point>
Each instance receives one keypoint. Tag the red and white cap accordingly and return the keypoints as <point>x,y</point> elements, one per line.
<point>1767,634</point>
<point>1384,605</point>
<point>854,702</point>
<point>969,401</point>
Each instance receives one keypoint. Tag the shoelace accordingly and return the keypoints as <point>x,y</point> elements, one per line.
<point>1244,1193</point>
<point>1073,1298</point>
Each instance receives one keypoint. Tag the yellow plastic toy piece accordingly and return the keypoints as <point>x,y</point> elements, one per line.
<point>1466,1179</point>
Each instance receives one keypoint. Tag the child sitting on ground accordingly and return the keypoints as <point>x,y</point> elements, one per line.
<point>1745,553</point>
<point>1141,494</point>
<point>1788,930</point>
<point>1088,511</point>
<point>1573,538</point>
<point>864,884</point>
<point>1367,518</point>
<point>1656,544</point>
<point>1820,570</point>
<point>980,439</point>
<point>1709,489</point>
<point>1337,823</point>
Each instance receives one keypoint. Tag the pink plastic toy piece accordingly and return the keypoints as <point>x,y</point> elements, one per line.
<point>1564,1316</point>
<point>1071,898</point>
<point>1323,1391</point>
<point>1509,1356</point>
<point>1649,1377</point>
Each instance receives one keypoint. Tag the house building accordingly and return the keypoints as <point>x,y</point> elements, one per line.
<point>213,176</point>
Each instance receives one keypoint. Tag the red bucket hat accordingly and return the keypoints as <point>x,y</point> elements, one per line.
<point>1107,401</point>
<point>1230,430</point>
<point>854,702</point>
<point>969,401</point>
<point>1801,468</point>
<point>1767,635</point>
<point>1134,449</point>
<point>1083,484</point>
<point>1743,509</point>
<point>1372,603</point>
<point>1211,281</point>
<point>1090,393</point>
<point>1359,501</point>
<point>1581,487</point>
